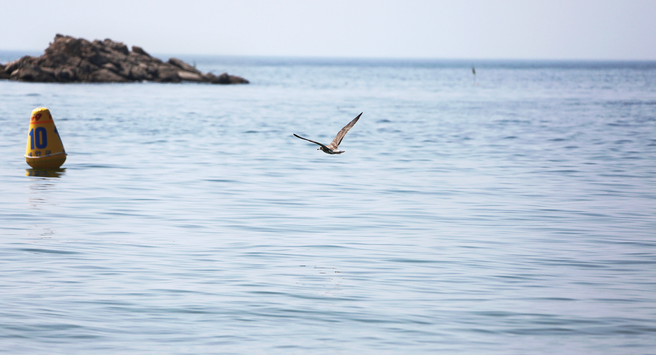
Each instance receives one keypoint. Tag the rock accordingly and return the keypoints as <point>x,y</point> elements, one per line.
<point>69,59</point>
<point>3,74</point>
<point>110,66</point>
<point>18,63</point>
<point>139,73</point>
<point>124,69</point>
<point>66,74</point>
<point>168,75</point>
<point>116,46</point>
<point>105,75</point>
<point>189,76</point>
<point>182,65</point>
<point>225,78</point>
<point>86,67</point>
<point>221,79</point>
<point>234,79</point>
<point>139,50</point>
<point>32,73</point>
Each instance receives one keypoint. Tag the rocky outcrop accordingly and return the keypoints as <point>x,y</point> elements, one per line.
<point>3,75</point>
<point>70,59</point>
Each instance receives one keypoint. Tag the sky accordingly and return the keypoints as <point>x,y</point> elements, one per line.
<point>465,29</point>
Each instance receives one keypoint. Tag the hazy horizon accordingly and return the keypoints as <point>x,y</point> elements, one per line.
<point>469,61</point>
<point>449,30</point>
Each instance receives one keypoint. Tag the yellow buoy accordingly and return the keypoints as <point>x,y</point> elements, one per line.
<point>44,147</point>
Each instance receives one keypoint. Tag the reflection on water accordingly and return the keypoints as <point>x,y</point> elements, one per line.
<point>45,172</point>
<point>42,186</point>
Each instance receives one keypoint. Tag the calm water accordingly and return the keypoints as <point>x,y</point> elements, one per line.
<point>516,216</point>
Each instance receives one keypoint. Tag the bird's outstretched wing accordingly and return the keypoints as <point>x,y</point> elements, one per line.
<point>309,140</point>
<point>340,135</point>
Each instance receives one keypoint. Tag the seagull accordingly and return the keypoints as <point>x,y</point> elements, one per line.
<point>332,147</point>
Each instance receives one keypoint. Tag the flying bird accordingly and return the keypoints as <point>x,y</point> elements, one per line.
<point>332,147</point>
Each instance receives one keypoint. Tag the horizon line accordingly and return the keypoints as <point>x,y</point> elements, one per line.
<point>347,57</point>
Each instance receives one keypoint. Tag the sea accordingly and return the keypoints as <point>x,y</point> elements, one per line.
<point>507,211</point>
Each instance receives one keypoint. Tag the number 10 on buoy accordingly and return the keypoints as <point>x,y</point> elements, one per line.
<point>44,146</point>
